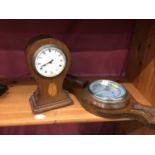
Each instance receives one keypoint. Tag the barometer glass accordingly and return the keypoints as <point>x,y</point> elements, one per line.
<point>107,91</point>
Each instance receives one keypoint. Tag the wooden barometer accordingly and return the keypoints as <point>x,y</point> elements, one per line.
<point>48,60</point>
<point>108,98</point>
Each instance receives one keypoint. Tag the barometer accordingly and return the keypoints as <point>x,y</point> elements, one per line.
<point>48,60</point>
<point>110,99</point>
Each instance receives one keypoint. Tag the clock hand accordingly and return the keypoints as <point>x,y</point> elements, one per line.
<point>50,62</point>
<point>47,63</point>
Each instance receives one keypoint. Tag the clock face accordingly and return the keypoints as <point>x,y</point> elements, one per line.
<point>49,61</point>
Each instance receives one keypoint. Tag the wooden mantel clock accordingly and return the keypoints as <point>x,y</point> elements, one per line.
<point>48,60</point>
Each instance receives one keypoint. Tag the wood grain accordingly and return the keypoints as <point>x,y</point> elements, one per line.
<point>15,108</point>
<point>141,68</point>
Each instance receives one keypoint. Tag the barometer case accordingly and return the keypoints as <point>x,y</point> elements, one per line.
<point>106,98</point>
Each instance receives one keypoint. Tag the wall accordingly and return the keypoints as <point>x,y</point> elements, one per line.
<point>98,47</point>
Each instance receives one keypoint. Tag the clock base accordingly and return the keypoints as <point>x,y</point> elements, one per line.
<point>36,109</point>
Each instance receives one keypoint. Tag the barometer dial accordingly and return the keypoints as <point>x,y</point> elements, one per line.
<point>107,91</point>
<point>49,61</point>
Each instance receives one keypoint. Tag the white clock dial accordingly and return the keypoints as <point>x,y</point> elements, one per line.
<point>49,61</point>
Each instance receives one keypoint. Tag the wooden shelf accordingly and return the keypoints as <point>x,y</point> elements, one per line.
<point>15,108</point>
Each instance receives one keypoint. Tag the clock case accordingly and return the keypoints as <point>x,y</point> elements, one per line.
<point>49,93</point>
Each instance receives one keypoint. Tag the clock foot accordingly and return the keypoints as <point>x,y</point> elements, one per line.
<point>49,106</point>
